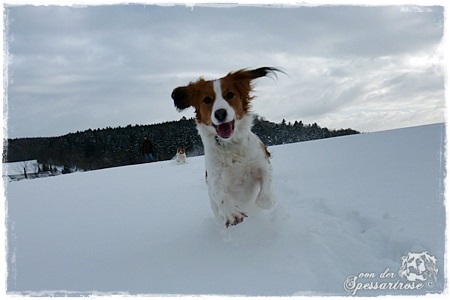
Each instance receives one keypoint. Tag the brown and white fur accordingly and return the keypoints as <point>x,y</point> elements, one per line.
<point>238,169</point>
<point>181,155</point>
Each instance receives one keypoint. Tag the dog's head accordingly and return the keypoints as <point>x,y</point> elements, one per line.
<point>220,103</point>
<point>181,150</point>
<point>418,266</point>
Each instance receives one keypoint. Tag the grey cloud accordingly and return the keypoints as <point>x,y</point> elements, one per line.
<point>117,65</point>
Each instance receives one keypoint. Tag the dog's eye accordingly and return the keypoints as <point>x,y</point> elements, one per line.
<point>229,95</point>
<point>207,100</point>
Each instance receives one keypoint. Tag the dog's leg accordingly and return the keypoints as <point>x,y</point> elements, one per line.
<point>265,198</point>
<point>223,206</point>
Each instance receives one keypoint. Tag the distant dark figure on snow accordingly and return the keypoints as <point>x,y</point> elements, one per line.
<point>147,150</point>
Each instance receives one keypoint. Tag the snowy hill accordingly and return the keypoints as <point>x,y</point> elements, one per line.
<point>346,206</point>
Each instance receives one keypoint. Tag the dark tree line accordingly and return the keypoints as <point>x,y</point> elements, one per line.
<point>112,147</point>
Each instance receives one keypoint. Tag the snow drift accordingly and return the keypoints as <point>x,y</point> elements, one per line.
<point>348,210</point>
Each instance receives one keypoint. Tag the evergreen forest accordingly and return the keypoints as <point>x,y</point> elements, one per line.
<point>113,147</point>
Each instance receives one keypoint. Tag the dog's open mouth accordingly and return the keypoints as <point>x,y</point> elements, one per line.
<point>225,130</point>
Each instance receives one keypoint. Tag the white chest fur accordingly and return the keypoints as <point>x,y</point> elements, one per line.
<point>238,172</point>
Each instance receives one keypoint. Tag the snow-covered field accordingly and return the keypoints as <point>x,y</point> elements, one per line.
<point>347,207</point>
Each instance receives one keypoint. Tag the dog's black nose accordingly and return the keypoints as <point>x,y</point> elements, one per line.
<point>220,114</point>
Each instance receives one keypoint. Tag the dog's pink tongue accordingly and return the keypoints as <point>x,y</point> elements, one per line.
<point>225,130</point>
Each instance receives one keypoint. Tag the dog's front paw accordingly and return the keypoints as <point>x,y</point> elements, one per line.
<point>235,219</point>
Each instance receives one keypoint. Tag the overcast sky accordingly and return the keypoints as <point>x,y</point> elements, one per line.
<point>369,68</point>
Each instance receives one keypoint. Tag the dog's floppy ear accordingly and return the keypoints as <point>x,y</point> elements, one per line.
<point>249,75</point>
<point>181,98</point>
<point>264,71</point>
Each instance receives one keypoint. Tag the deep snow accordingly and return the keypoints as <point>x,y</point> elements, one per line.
<point>346,206</point>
